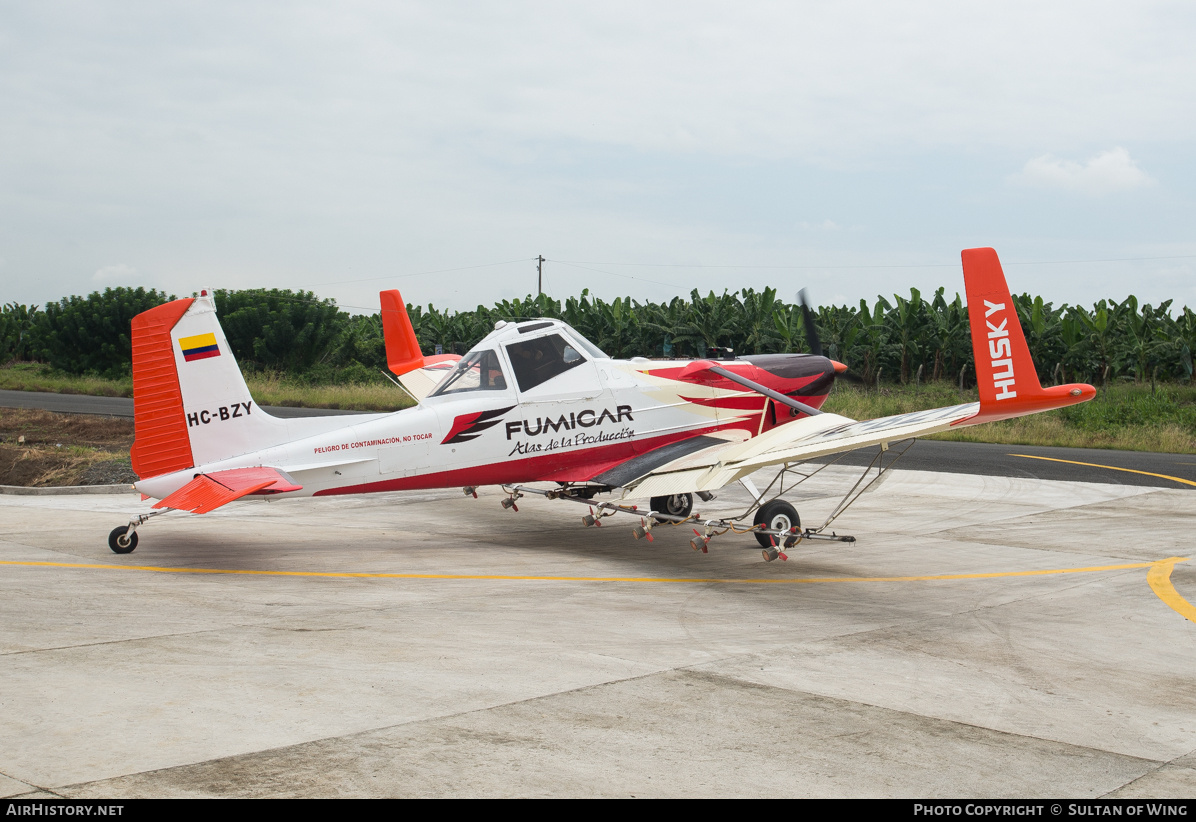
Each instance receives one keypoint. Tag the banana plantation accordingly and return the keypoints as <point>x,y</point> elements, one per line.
<point>907,339</point>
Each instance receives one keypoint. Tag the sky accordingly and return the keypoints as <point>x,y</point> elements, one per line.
<point>849,148</point>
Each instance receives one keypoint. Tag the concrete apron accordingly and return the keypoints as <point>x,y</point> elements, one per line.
<point>465,672</point>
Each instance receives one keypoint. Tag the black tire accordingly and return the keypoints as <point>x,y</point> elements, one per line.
<point>779,515</point>
<point>121,541</point>
<point>675,505</point>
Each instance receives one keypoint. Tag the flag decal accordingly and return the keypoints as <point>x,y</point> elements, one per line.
<point>199,347</point>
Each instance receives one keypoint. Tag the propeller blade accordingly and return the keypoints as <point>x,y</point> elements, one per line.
<point>809,320</point>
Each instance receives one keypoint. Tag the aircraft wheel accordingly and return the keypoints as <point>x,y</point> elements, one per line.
<point>675,505</point>
<point>121,541</point>
<point>780,515</point>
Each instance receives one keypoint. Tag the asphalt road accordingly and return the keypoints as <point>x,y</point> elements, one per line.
<point>1138,468</point>
<point>123,406</point>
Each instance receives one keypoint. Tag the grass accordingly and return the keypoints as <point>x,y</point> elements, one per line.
<point>271,389</point>
<point>1124,416</point>
<point>266,389</point>
<point>31,376</point>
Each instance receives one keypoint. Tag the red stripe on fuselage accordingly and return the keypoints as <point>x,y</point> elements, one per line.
<point>563,466</point>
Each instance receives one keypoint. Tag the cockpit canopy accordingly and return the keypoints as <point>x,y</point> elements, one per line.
<point>533,352</point>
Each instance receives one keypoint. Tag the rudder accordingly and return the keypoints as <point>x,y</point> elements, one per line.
<point>161,444</point>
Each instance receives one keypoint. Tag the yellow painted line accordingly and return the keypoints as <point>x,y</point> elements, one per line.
<point>514,578</point>
<point>1110,467</point>
<point>1159,578</point>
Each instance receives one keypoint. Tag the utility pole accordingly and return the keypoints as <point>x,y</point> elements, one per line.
<point>540,274</point>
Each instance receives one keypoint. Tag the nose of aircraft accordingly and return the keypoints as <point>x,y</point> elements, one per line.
<point>802,375</point>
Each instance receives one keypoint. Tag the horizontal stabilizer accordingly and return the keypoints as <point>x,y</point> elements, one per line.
<point>208,492</point>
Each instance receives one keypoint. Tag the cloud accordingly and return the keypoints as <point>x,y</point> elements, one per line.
<point>1107,172</point>
<point>114,274</point>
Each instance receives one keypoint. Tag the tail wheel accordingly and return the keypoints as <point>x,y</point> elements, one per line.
<point>121,541</point>
<point>675,505</point>
<point>780,516</point>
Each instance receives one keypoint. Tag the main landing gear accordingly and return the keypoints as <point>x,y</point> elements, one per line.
<point>675,505</point>
<point>776,524</point>
<point>777,515</point>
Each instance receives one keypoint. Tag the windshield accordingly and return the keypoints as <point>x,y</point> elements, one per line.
<point>478,371</point>
<point>594,351</point>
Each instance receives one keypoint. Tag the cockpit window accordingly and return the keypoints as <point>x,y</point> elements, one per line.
<point>539,360</point>
<point>478,371</point>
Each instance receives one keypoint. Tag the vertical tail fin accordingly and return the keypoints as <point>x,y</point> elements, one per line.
<point>1005,373</point>
<point>191,406</point>
<point>402,346</point>
<point>417,374</point>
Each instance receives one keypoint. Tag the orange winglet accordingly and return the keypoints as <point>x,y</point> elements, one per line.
<point>1005,373</point>
<point>402,346</point>
<point>208,492</point>
<point>161,443</point>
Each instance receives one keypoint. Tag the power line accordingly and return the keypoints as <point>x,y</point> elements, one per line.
<point>617,274</point>
<point>582,263</point>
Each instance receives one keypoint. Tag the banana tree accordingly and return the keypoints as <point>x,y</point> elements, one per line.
<point>908,327</point>
<point>873,337</point>
<point>789,328</point>
<point>758,329</point>
<point>1185,339</point>
<point>713,321</point>
<point>1143,341</point>
<point>951,334</point>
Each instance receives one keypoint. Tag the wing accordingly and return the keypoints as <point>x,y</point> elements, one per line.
<point>1005,375</point>
<point>209,491</point>
<point>803,439</point>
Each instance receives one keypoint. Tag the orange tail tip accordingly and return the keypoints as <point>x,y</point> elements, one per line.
<point>1005,372</point>
<point>402,346</point>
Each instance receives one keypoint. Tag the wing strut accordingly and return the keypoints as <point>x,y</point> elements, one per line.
<point>762,389</point>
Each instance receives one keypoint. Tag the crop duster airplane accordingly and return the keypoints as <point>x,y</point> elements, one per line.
<point>535,402</point>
